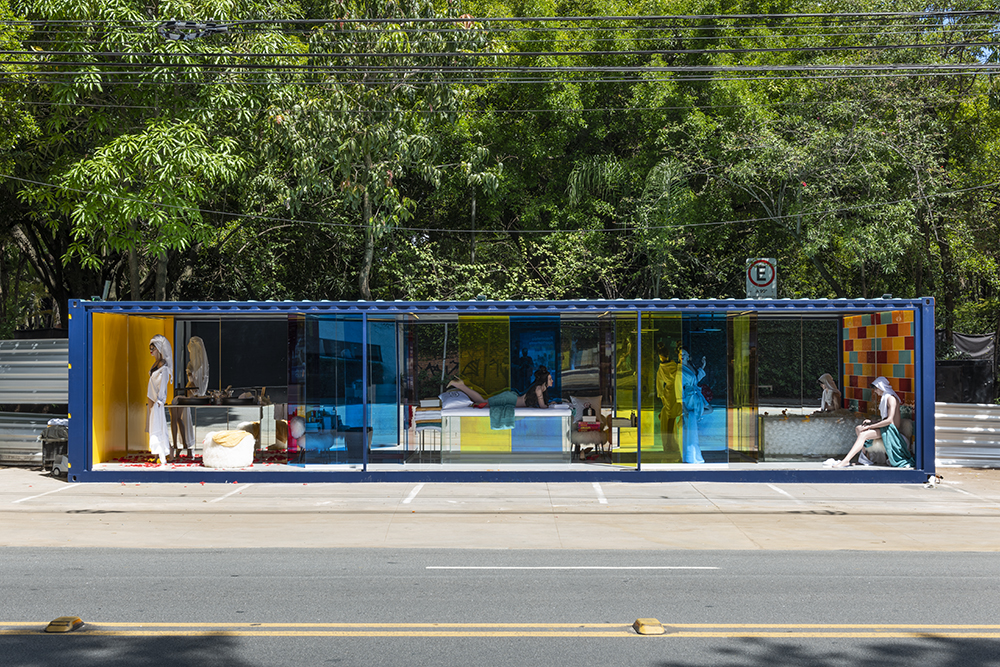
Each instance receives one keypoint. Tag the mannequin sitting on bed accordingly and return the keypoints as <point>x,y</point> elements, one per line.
<point>537,395</point>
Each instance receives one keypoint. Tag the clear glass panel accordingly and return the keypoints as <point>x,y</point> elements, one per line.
<point>431,360</point>
<point>820,355</point>
<point>586,382</point>
<point>326,424</point>
<point>794,353</point>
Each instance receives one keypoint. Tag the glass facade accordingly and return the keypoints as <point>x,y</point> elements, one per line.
<point>573,387</point>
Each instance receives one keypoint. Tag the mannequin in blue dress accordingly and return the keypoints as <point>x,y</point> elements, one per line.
<point>694,407</point>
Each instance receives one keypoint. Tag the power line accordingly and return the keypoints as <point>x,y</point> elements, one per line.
<point>429,230</point>
<point>894,101</point>
<point>234,79</point>
<point>939,14</point>
<point>42,57</point>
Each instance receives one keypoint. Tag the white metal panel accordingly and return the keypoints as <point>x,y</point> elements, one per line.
<point>34,371</point>
<point>967,435</point>
<point>19,443</point>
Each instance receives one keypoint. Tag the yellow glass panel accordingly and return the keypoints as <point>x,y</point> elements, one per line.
<point>477,437</point>
<point>109,391</point>
<point>121,363</point>
<point>626,378</point>
<point>484,353</point>
<point>742,412</point>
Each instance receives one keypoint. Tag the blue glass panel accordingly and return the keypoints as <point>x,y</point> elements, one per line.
<point>328,411</point>
<point>383,393</point>
<point>534,342</point>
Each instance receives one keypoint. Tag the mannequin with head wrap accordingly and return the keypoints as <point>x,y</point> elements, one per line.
<point>197,385</point>
<point>897,448</point>
<point>694,407</point>
<point>831,399</point>
<point>156,396</point>
<point>669,391</point>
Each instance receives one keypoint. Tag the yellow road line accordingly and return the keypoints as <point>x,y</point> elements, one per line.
<point>621,634</point>
<point>833,625</point>
<point>761,626</point>
<point>568,630</point>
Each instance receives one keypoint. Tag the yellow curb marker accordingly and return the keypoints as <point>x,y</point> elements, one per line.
<point>648,626</point>
<point>65,624</point>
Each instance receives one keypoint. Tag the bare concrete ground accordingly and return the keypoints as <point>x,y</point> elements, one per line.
<point>961,514</point>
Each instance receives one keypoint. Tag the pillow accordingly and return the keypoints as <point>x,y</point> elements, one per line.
<point>454,399</point>
<point>578,403</point>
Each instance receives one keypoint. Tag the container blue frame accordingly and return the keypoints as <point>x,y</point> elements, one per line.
<point>81,406</point>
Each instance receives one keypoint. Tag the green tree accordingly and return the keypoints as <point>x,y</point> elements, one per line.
<point>371,113</point>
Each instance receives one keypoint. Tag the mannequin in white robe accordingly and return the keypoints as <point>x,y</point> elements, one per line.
<point>197,384</point>
<point>160,376</point>
<point>831,399</point>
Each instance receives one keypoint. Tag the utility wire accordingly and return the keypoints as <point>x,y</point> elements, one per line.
<point>235,80</point>
<point>895,101</point>
<point>42,57</point>
<point>860,16</point>
<point>429,230</point>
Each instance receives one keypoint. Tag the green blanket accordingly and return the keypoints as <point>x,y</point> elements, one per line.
<point>896,449</point>
<point>502,410</point>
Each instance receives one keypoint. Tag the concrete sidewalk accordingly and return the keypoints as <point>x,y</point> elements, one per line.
<point>961,514</point>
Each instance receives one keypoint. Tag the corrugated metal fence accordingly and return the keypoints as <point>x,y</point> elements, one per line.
<point>967,435</point>
<point>19,444</point>
<point>34,371</point>
<point>31,372</point>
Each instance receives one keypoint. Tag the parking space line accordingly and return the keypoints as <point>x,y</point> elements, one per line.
<point>785,493</point>
<point>569,567</point>
<point>413,493</point>
<point>600,494</point>
<point>245,486</point>
<point>63,488</point>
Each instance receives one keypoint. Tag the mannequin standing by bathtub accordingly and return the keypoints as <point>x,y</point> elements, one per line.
<point>831,399</point>
<point>197,385</point>
<point>160,376</point>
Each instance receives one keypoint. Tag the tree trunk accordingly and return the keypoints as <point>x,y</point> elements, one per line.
<point>17,287</point>
<point>133,268</point>
<point>996,357</point>
<point>160,288</point>
<point>4,284</point>
<point>473,256</point>
<point>949,283</point>
<point>369,256</point>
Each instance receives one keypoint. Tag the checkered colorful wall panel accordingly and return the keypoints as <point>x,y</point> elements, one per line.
<point>878,344</point>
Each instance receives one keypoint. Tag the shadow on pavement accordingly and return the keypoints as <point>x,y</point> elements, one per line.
<point>82,650</point>
<point>926,651</point>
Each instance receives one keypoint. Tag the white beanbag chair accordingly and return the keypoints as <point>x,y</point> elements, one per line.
<point>228,449</point>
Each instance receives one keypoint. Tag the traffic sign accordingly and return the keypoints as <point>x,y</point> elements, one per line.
<point>762,278</point>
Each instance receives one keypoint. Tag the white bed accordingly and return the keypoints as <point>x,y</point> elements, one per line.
<point>557,410</point>
<point>451,424</point>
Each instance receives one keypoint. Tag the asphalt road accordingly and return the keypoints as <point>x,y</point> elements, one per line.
<point>239,607</point>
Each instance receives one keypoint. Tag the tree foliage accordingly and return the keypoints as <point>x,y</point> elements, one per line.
<point>360,150</point>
